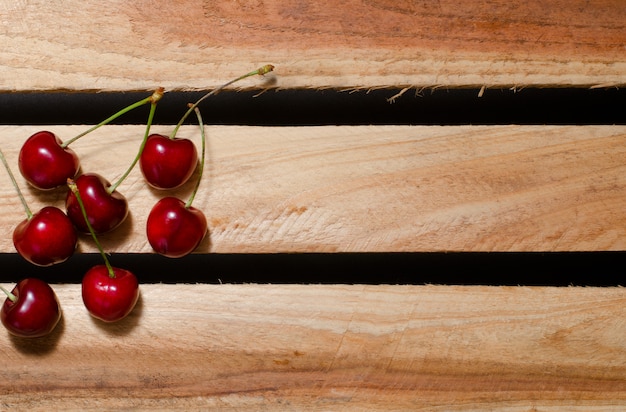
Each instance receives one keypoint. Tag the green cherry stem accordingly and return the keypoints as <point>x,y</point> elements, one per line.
<point>153,105</point>
<point>10,295</point>
<point>29,213</point>
<point>260,71</point>
<point>72,185</point>
<point>155,97</point>
<point>201,165</point>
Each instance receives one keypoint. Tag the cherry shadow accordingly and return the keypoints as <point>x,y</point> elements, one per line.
<point>183,192</point>
<point>205,245</point>
<point>53,197</point>
<point>269,80</point>
<point>116,237</point>
<point>39,346</point>
<point>122,327</point>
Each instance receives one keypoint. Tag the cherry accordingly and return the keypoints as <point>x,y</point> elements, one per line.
<point>43,238</point>
<point>168,163</point>
<point>46,238</point>
<point>174,229</point>
<point>45,163</point>
<point>106,209</point>
<point>109,293</point>
<point>31,309</point>
<point>109,298</point>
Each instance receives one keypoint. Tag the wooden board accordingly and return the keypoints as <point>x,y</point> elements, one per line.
<point>265,347</point>
<point>337,189</point>
<point>195,44</point>
<point>369,188</point>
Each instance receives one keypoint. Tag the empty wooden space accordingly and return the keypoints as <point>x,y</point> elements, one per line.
<point>331,189</point>
<point>356,44</point>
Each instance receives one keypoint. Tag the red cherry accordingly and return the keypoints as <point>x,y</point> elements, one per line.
<point>109,298</point>
<point>31,309</point>
<point>173,229</point>
<point>105,210</point>
<point>47,238</point>
<point>44,163</point>
<point>168,163</point>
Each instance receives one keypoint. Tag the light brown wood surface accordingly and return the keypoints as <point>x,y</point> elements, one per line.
<point>337,189</point>
<point>308,347</point>
<point>121,45</point>
<point>369,188</point>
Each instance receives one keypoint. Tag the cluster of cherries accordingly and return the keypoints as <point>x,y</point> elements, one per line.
<point>174,228</point>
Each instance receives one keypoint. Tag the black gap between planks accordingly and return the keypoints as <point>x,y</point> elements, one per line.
<point>562,106</point>
<point>451,268</point>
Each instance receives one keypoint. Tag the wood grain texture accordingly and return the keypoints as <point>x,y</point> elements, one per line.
<point>196,44</point>
<point>369,188</point>
<point>337,189</point>
<point>266,347</point>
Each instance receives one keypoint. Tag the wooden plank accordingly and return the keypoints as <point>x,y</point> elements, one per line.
<point>191,44</point>
<point>297,347</point>
<point>370,188</point>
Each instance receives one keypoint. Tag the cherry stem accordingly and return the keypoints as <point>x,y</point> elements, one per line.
<point>156,96</point>
<point>201,165</point>
<point>74,189</point>
<point>260,71</point>
<point>10,295</point>
<point>29,213</point>
<point>112,188</point>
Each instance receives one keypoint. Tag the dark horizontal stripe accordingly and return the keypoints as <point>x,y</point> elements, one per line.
<point>463,268</point>
<point>576,106</point>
